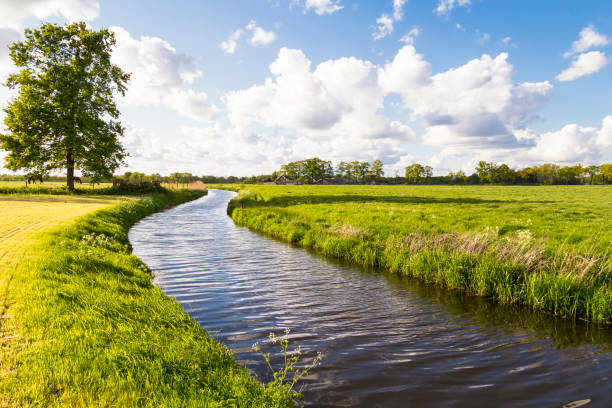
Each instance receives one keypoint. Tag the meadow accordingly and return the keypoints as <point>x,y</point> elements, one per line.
<point>548,247</point>
<point>82,325</point>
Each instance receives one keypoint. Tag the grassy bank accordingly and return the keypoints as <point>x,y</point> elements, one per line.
<point>82,325</point>
<point>545,247</point>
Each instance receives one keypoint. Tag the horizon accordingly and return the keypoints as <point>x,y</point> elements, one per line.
<point>241,89</point>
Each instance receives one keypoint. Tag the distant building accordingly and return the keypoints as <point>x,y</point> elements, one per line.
<point>285,180</point>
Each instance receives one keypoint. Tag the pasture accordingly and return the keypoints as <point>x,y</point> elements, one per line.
<point>545,246</point>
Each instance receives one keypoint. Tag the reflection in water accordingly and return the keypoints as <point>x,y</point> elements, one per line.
<point>387,341</point>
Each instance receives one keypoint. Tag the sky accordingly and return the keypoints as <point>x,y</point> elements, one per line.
<point>239,87</point>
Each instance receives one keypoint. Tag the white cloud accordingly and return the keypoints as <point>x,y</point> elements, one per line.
<point>330,111</point>
<point>321,7</point>
<point>572,144</point>
<point>384,27</point>
<point>476,105</point>
<point>160,76</point>
<point>604,137</point>
<point>589,38</point>
<point>409,37</point>
<point>585,64</point>
<point>384,23</point>
<point>445,7</point>
<point>13,12</point>
<point>229,46</point>
<point>259,35</point>
<point>398,9</point>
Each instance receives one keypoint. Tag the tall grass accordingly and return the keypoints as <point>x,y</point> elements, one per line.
<point>89,329</point>
<point>512,264</point>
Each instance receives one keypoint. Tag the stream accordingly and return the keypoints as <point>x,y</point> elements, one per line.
<point>387,341</point>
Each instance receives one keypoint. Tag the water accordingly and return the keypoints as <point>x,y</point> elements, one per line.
<point>387,342</point>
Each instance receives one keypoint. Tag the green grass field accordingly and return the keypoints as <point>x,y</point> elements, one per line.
<point>548,247</point>
<point>82,325</point>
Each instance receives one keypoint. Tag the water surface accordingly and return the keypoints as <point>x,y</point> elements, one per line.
<point>387,342</point>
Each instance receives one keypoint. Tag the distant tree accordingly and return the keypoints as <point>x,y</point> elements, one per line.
<point>503,174</point>
<point>547,173</point>
<point>417,173</point>
<point>485,171</point>
<point>569,174</point>
<point>591,174</point>
<point>606,173</point>
<point>377,169</point>
<point>64,116</point>
<point>360,171</point>
<point>457,178</point>
<point>342,169</point>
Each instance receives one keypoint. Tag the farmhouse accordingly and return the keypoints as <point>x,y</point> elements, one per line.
<point>285,180</point>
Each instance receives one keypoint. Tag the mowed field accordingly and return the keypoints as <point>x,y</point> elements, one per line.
<point>23,216</point>
<point>21,219</point>
<point>546,246</point>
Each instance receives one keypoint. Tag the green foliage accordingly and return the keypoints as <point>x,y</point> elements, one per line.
<point>94,331</point>
<point>417,173</point>
<point>64,116</point>
<point>544,247</point>
<point>308,171</point>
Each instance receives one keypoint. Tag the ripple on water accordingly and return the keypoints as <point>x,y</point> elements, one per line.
<point>387,342</point>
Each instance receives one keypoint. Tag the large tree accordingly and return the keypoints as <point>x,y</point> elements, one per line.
<point>64,116</point>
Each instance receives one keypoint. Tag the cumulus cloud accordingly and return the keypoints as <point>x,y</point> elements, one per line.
<point>585,64</point>
<point>398,9</point>
<point>385,23</point>
<point>384,27</point>
<point>409,37</point>
<point>229,46</point>
<point>445,7</point>
<point>589,38</point>
<point>321,7</point>
<point>259,36</point>
<point>330,110</point>
<point>476,105</point>
<point>161,76</point>
<point>13,12</point>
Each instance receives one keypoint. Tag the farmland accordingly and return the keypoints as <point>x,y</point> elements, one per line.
<point>546,247</point>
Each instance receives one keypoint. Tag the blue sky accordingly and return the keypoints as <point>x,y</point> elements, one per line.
<point>471,80</point>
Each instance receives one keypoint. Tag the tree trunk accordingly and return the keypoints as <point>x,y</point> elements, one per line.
<point>70,171</point>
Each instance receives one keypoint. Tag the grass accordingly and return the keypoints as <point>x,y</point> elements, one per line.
<point>82,325</point>
<point>547,247</point>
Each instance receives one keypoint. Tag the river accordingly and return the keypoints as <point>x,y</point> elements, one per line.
<point>387,341</point>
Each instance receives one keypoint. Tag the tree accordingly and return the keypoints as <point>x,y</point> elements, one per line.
<point>377,169</point>
<point>417,173</point>
<point>64,116</point>
<point>606,173</point>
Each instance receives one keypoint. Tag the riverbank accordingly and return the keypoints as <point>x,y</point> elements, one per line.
<point>82,325</point>
<point>544,247</point>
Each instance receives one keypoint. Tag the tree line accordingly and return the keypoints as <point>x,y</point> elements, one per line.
<point>313,170</point>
